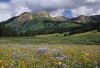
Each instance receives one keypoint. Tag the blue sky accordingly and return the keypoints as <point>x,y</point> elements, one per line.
<point>4,0</point>
<point>68,13</point>
<point>67,8</point>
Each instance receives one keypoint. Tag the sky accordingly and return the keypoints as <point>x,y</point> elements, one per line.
<point>67,8</point>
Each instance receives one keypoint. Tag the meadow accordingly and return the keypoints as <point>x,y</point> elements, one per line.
<point>51,51</point>
<point>49,56</point>
<point>83,38</point>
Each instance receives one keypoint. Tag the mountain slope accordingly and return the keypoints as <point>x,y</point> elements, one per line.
<point>86,19</point>
<point>42,23</point>
<point>28,22</point>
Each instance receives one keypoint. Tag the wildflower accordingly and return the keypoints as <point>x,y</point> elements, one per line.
<point>60,58</point>
<point>12,61</point>
<point>32,59</point>
<point>60,63</point>
<point>86,54</point>
<point>12,64</point>
<point>44,50</point>
<point>15,53</point>
<point>2,66</point>
<point>64,65</point>
<point>56,51</point>
<point>1,61</point>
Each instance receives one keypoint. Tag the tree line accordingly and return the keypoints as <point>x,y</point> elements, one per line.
<point>7,31</point>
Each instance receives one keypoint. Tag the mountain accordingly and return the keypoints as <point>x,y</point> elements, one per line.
<point>39,21</point>
<point>86,19</point>
<point>42,23</point>
<point>25,17</point>
<point>43,14</point>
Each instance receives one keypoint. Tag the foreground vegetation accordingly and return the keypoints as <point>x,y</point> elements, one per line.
<point>51,51</point>
<point>49,56</point>
<point>82,38</point>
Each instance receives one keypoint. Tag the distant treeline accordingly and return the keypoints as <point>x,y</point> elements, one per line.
<point>85,28</point>
<point>7,31</point>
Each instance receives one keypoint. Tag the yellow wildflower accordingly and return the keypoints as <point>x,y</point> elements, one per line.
<point>60,63</point>
<point>33,59</point>
<point>2,67</point>
<point>1,61</point>
<point>86,54</point>
<point>12,61</point>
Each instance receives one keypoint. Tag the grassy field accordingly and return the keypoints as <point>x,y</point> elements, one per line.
<point>51,51</point>
<point>83,38</point>
<point>49,56</point>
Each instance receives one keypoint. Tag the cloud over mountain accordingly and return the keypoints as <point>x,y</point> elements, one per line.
<point>55,7</point>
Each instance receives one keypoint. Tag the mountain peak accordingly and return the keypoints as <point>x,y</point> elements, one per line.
<point>81,17</point>
<point>43,14</point>
<point>26,16</point>
<point>26,13</point>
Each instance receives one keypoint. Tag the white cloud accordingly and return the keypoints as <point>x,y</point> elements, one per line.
<point>4,16</point>
<point>58,12</point>
<point>20,10</point>
<point>5,12</point>
<point>55,7</point>
<point>82,11</point>
<point>91,1</point>
<point>4,5</point>
<point>98,12</point>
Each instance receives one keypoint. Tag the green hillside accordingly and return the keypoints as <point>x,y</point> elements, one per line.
<point>83,38</point>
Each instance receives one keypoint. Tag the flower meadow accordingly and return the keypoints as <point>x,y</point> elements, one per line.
<point>49,56</point>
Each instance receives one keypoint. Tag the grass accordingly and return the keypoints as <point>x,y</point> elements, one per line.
<point>49,56</point>
<point>51,51</point>
<point>83,38</point>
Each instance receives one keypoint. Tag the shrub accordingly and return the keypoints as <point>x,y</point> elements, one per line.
<point>66,34</point>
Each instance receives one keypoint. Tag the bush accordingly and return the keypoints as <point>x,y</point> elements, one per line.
<point>66,34</point>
